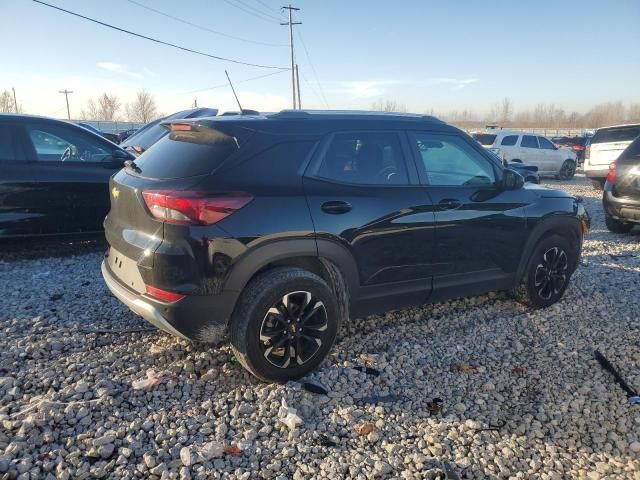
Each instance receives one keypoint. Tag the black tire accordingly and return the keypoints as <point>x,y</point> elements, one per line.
<point>598,184</point>
<point>616,226</point>
<point>542,286</point>
<point>568,170</point>
<point>261,312</point>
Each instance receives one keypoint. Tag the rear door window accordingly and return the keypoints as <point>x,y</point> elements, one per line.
<point>616,134</point>
<point>365,158</point>
<point>529,141</point>
<point>545,144</point>
<point>509,140</point>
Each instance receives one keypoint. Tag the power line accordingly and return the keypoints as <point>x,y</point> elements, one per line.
<point>259,15</point>
<point>226,84</point>
<point>206,29</point>
<point>268,7</point>
<point>216,57</point>
<point>261,12</point>
<point>313,69</point>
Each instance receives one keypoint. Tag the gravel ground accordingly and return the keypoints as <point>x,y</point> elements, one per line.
<point>521,394</point>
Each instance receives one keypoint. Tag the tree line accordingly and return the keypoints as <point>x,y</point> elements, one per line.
<point>107,106</point>
<point>542,115</point>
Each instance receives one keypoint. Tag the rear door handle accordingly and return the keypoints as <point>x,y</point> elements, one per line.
<point>336,207</point>
<point>449,204</point>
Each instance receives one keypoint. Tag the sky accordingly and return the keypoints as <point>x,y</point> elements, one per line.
<point>431,56</point>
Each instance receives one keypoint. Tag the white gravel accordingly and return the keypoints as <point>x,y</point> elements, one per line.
<point>522,395</point>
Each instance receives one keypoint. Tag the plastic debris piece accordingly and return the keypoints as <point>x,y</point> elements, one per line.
<point>289,416</point>
<point>365,428</point>
<point>314,388</point>
<point>368,370</point>
<point>518,371</point>
<point>232,450</point>
<point>153,380</point>
<point>632,396</point>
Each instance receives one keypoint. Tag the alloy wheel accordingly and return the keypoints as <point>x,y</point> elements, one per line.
<point>293,329</point>
<point>551,273</point>
<point>568,170</point>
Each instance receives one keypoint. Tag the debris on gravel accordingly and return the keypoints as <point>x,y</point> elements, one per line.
<point>527,398</point>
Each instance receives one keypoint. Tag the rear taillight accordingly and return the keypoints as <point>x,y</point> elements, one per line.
<point>163,295</point>
<point>587,153</point>
<point>611,175</point>
<point>193,207</point>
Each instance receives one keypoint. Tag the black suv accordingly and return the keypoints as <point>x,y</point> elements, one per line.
<point>279,227</point>
<point>621,196</point>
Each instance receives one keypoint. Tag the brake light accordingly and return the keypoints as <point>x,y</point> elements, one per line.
<point>193,208</point>
<point>611,175</point>
<point>181,127</point>
<point>163,295</point>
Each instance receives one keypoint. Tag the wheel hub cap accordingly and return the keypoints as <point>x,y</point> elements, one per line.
<point>293,329</point>
<point>551,273</point>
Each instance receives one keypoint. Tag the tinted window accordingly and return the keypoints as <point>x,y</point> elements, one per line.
<point>189,153</point>
<point>509,140</point>
<point>485,139</point>
<point>617,134</point>
<point>370,158</point>
<point>545,144</point>
<point>64,143</point>
<point>529,141</point>
<point>7,147</point>
<point>631,153</point>
<point>449,160</point>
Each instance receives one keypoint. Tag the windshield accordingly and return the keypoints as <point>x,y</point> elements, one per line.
<point>485,139</point>
<point>616,134</point>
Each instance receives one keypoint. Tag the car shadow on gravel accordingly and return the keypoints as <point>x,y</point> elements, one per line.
<point>38,248</point>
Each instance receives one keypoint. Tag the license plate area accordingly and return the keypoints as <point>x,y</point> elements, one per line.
<point>126,270</point>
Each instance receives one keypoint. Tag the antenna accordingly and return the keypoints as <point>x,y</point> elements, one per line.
<point>234,91</point>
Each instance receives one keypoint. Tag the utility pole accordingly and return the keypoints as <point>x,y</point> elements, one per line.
<point>15,102</point>
<point>66,96</point>
<point>195,103</point>
<point>291,23</point>
<point>298,86</point>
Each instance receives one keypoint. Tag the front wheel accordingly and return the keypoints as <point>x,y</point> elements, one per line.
<point>285,324</point>
<point>616,226</point>
<point>548,272</point>
<point>568,170</point>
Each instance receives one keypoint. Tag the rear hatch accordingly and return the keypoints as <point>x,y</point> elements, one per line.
<point>172,168</point>
<point>608,143</point>
<point>627,182</point>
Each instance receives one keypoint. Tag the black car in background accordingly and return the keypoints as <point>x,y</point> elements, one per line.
<point>621,197</point>
<point>578,144</point>
<point>141,140</point>
<point>53,176</point>
<point>278,227</point>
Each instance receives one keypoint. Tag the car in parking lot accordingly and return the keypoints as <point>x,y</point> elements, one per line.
<point>621,196</point>
<point>277,227</point>
<point>54,176</point>
<point>605,146</point>
<point>516,146</point>
<point>141,140</point>
<point>577,144</point>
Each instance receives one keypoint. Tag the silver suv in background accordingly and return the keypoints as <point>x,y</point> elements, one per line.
<point>515,146</point>
<point>606,146</point>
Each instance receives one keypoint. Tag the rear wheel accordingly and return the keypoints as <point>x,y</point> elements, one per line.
<point>568,170</point>
<point>547,276</point>
<point>597,184</point>
<point>616,226</point>
<point>284,325</point>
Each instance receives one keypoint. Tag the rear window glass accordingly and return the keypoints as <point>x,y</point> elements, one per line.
<point>631,153</point>
<point>188,154</point>
<point>7,152</point>
<point>617,134</point>
<point>485,139</point>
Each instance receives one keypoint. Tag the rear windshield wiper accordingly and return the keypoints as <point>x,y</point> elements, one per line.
<point>132,165</point>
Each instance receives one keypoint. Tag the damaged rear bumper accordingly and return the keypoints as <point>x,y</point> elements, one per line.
<point>194,318</point>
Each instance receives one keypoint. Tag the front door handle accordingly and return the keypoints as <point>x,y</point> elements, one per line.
<point>449,204</point>
<point>336,207</point>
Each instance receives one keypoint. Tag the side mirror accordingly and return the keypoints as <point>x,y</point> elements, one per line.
<point>511,180</point>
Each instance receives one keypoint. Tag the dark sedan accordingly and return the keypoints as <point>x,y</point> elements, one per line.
<point>54,176</point>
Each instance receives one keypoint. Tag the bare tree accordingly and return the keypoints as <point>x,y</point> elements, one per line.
<point>105,107</point>
<point>143,109</point>
<point>7,105</point>
<point>388,106</point>
<point>505,111</point>
<point>633,113</point>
